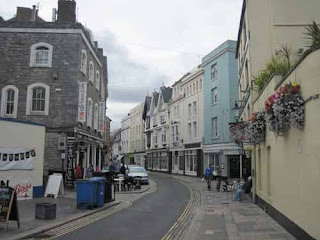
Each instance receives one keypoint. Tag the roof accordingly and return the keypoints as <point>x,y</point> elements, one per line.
<point>114,134</point>
<point>146,107</point>
<point>240,27</point>
<point>21,121</point>
<point>155,98</point>
<point>166,93</point>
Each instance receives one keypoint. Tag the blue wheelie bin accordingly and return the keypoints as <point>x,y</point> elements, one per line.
<point>100,197</point>
<point>86,193</point>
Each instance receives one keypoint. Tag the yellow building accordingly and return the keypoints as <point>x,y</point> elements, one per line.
<point>288,166</point>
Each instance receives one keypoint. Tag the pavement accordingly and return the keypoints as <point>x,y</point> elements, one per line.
<point>67,211</point>
<point>215,215</point>
<point>208,215</point>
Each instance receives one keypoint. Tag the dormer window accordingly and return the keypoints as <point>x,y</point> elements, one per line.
<point>41,55</point>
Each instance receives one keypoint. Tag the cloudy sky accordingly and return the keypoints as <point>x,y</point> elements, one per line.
<point>148,42</point>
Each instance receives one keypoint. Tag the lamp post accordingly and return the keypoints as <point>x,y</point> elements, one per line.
<point>236,110</point>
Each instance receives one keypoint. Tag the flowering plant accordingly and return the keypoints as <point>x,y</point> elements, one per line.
<point>256,128</point>
<point>285,109</point>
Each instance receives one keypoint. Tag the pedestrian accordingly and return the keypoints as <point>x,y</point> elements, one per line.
<point>238,190</point>
<point>123,169</point>
<point>78,171</point>
<point>208,175</point>
<point>89,171</point>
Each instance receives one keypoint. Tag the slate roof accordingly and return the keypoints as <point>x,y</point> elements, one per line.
<point>166,93</point>
<point>146,107</point>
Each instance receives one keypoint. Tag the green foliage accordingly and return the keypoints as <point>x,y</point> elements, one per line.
<point>276,65</point>
<point>313,33</point>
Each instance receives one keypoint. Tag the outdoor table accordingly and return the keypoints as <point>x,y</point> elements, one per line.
<point>119,182</point>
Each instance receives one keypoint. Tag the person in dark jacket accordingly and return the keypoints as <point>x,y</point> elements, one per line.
<point>123,169</point>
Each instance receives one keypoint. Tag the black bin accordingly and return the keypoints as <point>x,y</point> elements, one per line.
<point>109,189</point>
<point>46,211</point>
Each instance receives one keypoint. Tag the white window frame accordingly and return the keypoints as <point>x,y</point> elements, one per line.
<point>33,54</point>
<point>195,108</point>
<point>214,95</point>
<point>97,81</point>
<point>215,127</point>
<point>89,112</point>
<point>91,72</point>
<point>4,101</point>
<point>190,130</point>
<point>96,116</point>
<point>84,62</point>
<point>29,99</point>
<point>214,71</point>
<point>195,129</point>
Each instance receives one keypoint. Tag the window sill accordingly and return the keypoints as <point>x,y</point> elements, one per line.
<point>215,137</point>
<point>38,113</point>
<point>9,116</point>
<point>40,66</point>
<point>215,103</point>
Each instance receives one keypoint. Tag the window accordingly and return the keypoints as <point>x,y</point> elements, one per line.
<point>91,72</point>
<point>188,91</point>
<point>38,99</point>
<point>9,101</point>
<point>97,82</point>
<point>197,86</point>
<point>214,71</point>
<point>215,132</point>
<point>178,111</point>
<point>96,117</point>
<point>41,55</point>
<point>164,136</point>
<point>84,62</point>
<point>195,111</point>
<point>214,95</point>
<point>189,110</point>
<point>200,84</point>
<point>195,130</point>
<point>194,87</point>
<point>189,130</point>
<point>89,113</point>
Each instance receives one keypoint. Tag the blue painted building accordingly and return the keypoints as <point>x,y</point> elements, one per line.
<point>220,93</point>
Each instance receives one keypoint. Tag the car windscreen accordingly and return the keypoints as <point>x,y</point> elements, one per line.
<point>137,169</point>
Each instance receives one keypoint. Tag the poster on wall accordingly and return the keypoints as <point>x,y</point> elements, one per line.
<point>16,158</point>
<point>101,116</point>
<point>21,184</point>
<point>82,104</point>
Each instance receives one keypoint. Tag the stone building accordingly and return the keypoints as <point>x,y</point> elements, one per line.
<point>53,73</point>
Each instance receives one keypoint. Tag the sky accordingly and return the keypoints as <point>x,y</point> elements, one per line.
<point>148,43</point>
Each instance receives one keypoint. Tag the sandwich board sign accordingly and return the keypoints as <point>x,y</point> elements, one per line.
<point>8,206</point>
<point>55,185</point>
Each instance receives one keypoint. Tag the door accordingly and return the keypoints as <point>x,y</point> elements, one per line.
<point>234,167</point>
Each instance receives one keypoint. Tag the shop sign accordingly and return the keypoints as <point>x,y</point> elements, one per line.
<point>70,161</point>
<point>82,104</point>
<point>101,116</point>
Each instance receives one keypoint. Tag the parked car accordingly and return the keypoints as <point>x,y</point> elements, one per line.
<point>138,173</point>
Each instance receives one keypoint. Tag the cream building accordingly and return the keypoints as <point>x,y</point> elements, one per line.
<point>22,146</point>
<point>265,27</point>
<point>285,169</point>
<point>288,167</point>
<point>126,147</point>
<point>176,128</point>
<point>192,123</point>
<point>136,135</point>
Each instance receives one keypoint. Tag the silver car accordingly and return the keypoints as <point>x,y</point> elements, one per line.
<point>138,173</point>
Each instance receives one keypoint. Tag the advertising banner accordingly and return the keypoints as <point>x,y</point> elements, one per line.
<point>16,158</point>
<point>82,104</point>
<point>101,116</point>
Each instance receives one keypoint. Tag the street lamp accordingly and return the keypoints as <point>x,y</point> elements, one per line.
<point>236,110</point>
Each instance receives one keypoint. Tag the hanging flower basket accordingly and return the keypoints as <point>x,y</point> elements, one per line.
<point>256,128</point>
<point>285,109</point>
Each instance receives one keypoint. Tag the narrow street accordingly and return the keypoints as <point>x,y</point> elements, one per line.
<point>148,218</point>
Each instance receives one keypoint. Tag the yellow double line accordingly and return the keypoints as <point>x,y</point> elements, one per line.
<point>85,223</point>
<point>183,215</point>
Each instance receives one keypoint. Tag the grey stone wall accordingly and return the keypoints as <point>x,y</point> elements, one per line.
<point>66,59</point>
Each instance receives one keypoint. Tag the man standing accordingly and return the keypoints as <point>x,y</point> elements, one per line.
<point>208,175</point>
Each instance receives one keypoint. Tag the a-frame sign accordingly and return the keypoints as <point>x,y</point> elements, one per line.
<point>8,206</point>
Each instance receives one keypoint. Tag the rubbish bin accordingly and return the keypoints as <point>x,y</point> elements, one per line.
<point>86,193</point>
<point>100,198</point>
<point>109,188</point>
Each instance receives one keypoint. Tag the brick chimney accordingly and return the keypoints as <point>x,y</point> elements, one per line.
<point>66,11</point>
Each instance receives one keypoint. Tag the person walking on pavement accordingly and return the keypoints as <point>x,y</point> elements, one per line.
<point>123,169</point>
<point>78,171</point>
<point>89,171</point>
<point>208,175</point>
